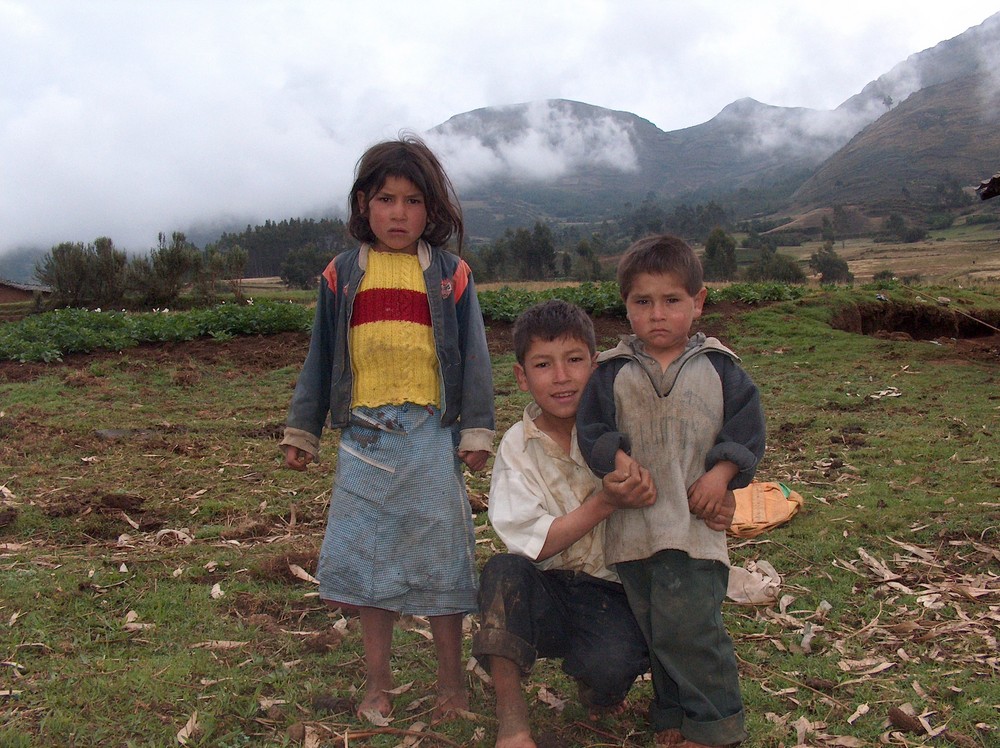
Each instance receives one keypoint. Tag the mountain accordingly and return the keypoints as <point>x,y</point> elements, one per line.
<point>575,161</point>
<point>941,137</point>
<point>926,125</point>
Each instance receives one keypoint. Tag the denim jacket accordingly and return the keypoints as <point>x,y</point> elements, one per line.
<point>325,384</point>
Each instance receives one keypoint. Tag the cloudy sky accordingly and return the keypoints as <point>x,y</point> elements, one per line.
<point>124,118</point>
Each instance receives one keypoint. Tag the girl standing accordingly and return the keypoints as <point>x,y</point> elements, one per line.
<point>398,360</point>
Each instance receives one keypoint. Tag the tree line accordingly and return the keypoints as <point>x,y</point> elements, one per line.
<point>297,250</point>
<point>98,274</point>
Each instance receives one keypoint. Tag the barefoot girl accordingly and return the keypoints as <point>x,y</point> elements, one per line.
<point>398,360</point>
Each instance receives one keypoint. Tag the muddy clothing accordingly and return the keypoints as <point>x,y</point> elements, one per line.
<point>678,424</point>
<point>527,613</point>
<point>570,605</point>
<point>533,482</point>
<point>677,602</point>
<point>399,533</point>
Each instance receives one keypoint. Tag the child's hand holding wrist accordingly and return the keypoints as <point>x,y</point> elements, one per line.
<point>629,486</point>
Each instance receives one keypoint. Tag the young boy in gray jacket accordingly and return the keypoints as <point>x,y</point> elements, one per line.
<point>681,407</point>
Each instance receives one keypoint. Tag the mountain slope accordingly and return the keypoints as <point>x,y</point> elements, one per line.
<point>941,135</point>
<point>925,122</point>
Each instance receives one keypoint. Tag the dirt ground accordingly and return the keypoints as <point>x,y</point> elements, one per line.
<point>258,353</point>
<point>289,349</point>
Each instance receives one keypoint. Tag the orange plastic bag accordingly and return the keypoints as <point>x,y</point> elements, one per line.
<point>762,506</point>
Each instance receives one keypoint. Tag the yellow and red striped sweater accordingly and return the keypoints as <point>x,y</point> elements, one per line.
<point>391,339</point>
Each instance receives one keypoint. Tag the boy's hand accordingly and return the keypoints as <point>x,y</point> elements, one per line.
<point>476,460</point>
<point>296,458</point>
<point>710,500</point>
<point>629,484</point>
<point>724,518</point>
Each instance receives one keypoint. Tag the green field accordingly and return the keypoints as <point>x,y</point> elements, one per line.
<point>155,555</point>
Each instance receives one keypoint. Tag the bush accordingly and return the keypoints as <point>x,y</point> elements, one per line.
<point>604,299</point>
<point>772,266</point>
<point>597,299</point>
<point>939,221</point>
<point>831,267</point>
<point>84,275</point>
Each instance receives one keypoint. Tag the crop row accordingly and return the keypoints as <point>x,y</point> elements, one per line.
<point>51,335</point>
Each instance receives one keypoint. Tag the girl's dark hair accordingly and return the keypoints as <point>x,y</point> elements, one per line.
<point>660,254</point>
<point>549,320</point>
<point>410,158</point>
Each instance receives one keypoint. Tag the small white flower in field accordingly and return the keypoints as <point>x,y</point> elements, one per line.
<point>98,309</point>
<point>250,301</point>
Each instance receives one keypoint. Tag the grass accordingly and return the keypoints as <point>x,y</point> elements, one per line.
<point>150,541</point>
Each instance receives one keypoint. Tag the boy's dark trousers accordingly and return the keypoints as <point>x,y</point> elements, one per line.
<point>526,613</point>
<point>677,601</point>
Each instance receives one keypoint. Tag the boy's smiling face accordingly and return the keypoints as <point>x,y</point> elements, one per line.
<point>555,373</point>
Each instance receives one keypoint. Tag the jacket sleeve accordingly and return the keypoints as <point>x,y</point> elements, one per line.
<point>742,437</point>
<point>596,420</point>
<point>311,399</point>
<point>477,422</point>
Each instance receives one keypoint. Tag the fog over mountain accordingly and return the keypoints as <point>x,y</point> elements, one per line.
<point>565,157</point>
<point>125,120</point>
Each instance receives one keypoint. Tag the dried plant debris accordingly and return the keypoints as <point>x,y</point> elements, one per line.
<point>936,605</point>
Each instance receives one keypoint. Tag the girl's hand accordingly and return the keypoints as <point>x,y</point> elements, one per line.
<point>475,461</point>
<point>296,458</point>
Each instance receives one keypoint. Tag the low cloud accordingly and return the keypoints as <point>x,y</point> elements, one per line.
<point>536,141</point>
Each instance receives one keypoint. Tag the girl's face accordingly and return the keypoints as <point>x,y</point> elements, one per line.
<point>397,215</point>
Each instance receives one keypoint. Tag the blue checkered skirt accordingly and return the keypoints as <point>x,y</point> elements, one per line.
<point>399,534</point>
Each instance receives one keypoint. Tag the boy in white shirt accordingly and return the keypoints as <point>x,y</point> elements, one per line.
<point>552,595</point>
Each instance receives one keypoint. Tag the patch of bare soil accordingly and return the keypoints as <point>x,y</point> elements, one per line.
<point>962,332</point>
<point>608,330</point>
<point>249,354</point>
<point>968,334</point>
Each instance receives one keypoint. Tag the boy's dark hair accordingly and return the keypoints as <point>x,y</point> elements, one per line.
<point>658,255</point>
<point>410,158</point>
<point>549,320</point>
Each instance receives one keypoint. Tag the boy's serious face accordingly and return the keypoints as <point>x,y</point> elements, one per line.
<point>397,215</point>
<point>555,373</point>
<point>661,313</point>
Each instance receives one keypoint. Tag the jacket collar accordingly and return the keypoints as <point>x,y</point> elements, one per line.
<point>423,255</point>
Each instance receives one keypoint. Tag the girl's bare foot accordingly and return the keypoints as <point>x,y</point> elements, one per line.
<point>516,740</point>
<point>376,704</point>
<point>451,702</point>
<point>670,736</point>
